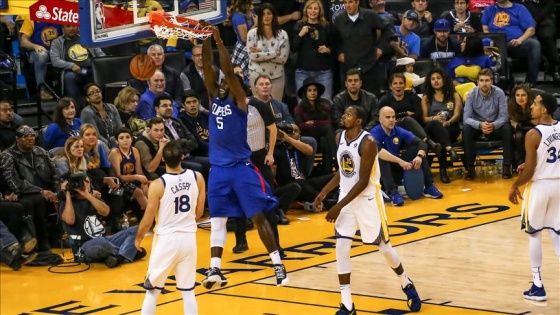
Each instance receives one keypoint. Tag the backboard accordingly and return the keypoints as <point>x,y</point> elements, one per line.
<point>110,22</point>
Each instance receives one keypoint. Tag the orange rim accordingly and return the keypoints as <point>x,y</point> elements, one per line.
<point>162,18</point>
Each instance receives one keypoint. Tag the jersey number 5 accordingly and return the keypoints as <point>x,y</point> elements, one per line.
<point>182,204</point>
<point>219,122</point>
<point>554,155</point>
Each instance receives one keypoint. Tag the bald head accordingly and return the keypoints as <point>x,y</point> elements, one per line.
<point>387,117</point>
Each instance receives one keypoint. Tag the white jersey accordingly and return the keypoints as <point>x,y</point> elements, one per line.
<point>548,152</point>
<point>349,159</point>
<point>177,206</point>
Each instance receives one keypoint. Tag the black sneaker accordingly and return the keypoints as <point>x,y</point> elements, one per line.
<point>214,279</point>
<point>281,275</point>
<point>140,254</point>
<point>112,261</point>
<point>240,248</point>
<point>344,311</point>
<point>412,299</point>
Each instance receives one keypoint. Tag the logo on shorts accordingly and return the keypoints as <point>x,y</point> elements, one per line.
<point>347,165</point>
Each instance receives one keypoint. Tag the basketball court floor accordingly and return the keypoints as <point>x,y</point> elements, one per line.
<point>465,253</point>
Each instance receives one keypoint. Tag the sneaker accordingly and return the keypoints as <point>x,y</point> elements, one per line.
<point>240,248</point>
<point>214,279</point>
<point>535,293</point>
<point>140,254</point>
<point>111,261</point>
<point>397,199</point>
<point>412,299</point>
<point>281,276</point>
<point>386,198</point>
<point>344,311</point>
<point>432,192</point>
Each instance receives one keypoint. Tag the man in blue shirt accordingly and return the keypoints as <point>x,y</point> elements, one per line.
<point>410,42</point>
<point>156,87</point>
<point>518,24</point>
<point>394,139</point>
<point>485,115</point>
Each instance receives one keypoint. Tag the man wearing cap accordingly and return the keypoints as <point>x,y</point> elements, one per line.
<point>518,24</point>
<point>440,45</point>
<point>410,42</point>
<point>425,19</point>
<point>30,174</point>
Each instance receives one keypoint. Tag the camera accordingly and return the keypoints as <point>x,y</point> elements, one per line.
<point>285,126</point>
<point>76,181</point>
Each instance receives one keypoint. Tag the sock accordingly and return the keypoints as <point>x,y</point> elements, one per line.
<point>150,300</point>
<point>190,307</point>
<point>346,293</point>
<point>537,280</point>
<point>404,280</point>
<point>215,262</point>
<point>275,256</point>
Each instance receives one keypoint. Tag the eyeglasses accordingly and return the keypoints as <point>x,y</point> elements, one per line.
<point>97,92</point>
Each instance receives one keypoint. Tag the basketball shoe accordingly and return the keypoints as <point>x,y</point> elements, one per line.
<point>412,299</point>
<point>214,279</point>
<point>281,276</point>
<point>344,311</point>
<point>535,293</point>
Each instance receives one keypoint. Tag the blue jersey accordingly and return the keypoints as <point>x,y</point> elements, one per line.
<point>228,134</point>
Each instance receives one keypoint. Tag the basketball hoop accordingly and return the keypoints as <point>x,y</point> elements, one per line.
<point>167,26</point>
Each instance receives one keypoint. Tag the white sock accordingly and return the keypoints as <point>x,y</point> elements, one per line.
<point>190,307</point>
<point>535,257</point>
<point>215,262</point>
<point>404,280</point>
<point>150,300</point>
<point>346,293</point>
<point>537,280</point>
<point>275,256</point>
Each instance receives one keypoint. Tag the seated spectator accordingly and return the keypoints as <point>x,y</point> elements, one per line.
<point>440,45</point>
<point>464,68</point>
<point>30,174</point>
<point>196,121</point>
<point>156,87</point>
<point>37,37</point>
<point>173,84</point>
<point>408,107</point>
<point>64,125</point>
<point>71,160</point>
<point>493,52</point>
<point>409,41</point>
<point>313,117</point>
<point>405,66</point>
<point>354,95</point>
<point>395,139</point>
<point>68,56</point>
<point>311,41</point>
<point>516,22</point>
<point>441,111</point>
<point>425,18</point>
<point>193,76</point>
<point>461,20</point>
<point>8,125</point>
<point>150,145</point>
<point>486,116</point>
<point>126,103</point>
<point>13,253</point>
<point>126,165</point>
<point>519,113</point>
<point>242,19</point>
<point>545,21</point>
<point>103,116</point>
<point>80,209</point>
<point>378,6</point>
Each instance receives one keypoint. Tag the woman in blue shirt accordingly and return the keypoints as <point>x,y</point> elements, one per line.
<point>65,124</point>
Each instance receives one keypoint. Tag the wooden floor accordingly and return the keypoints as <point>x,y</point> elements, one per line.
<point>465,253</point>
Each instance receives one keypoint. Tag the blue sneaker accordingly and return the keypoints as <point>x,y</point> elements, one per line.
<point>412,299</point>
<point>535,293</point>
<point>344,311</point>
<point>432,192</point>
<point>397,199</point>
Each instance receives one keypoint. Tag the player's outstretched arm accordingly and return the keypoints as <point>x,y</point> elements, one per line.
<point>210,77</point>
<point>239,95</point>
<point>201,195</point>
<point>155,192</point>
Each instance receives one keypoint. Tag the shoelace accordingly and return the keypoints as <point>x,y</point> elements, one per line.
<point>279,270</point>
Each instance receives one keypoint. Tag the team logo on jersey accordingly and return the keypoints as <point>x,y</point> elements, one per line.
<point>396,140</point>
<point>93,226</point>
<point>48,35</point>
<point>77,53</point>
<point>347,165</point>
<point>501,19</point>
<point>128,168</point>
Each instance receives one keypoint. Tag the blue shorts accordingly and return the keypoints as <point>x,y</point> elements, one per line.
<point>238,190</point>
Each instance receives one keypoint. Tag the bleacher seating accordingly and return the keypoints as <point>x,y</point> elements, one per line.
<point>111,72</point>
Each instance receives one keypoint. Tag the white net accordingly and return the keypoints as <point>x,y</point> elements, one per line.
<point>184,31</point>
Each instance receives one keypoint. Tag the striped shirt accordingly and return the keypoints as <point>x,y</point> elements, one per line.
<point>259,115</point>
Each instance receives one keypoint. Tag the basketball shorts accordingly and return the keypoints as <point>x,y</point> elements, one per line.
<point>238,190</point>
<point>173,252</point>
<point>541,206</point>
<point>366,213</point>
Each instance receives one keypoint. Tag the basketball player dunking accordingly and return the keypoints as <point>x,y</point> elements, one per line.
<point>235,186</point>
<point>541,173</point>
<point>175,200</point>
<point>360,205</point>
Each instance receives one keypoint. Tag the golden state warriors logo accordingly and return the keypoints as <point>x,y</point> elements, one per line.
<point>396,140</point>
<point>128,168</point>
<point>48,34</point>
<point>347,165</point>
<point>77,53</point>
<point>501,19</point>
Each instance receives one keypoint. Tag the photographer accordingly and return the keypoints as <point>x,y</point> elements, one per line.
<point>80,212</point>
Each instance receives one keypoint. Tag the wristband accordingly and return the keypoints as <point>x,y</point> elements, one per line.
<point>220,43</point>
<point>420,155</point>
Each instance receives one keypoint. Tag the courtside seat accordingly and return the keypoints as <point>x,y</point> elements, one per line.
<point>111,71</point>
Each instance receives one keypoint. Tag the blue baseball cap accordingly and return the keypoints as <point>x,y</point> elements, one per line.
<point>442,25</point>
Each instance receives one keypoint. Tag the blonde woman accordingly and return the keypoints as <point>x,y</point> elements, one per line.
<point>71,160</point>
<point>126,103</point>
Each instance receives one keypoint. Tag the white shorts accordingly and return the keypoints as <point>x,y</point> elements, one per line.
<point>366,213</point>
<point>541,206</point>
<point>173,252</point>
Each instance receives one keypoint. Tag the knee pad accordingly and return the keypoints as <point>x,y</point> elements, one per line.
<point>343,264</point>
<point>218,232</point>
